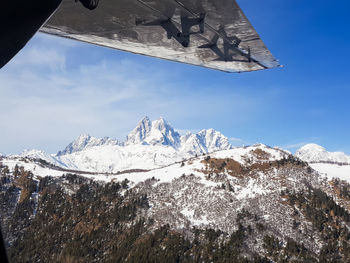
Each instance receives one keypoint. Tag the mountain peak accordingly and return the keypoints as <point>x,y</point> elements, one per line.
<point>312,147</point>
<point>315,153</point>
<point>160,123</point>
<point>84,136</point>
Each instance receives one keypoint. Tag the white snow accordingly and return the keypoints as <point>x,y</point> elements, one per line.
<point>333,170</point>
<point>109,158</point>
<point>165,174</point>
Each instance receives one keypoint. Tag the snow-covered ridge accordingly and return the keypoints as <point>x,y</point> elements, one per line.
<point>314,153</point>
<point>252,154</point>
<point>115,158</point>
<point>86,141</point>
<point>37,154</point>
<point>165,173</point>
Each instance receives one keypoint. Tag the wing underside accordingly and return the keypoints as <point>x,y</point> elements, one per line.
<point>209,33</point>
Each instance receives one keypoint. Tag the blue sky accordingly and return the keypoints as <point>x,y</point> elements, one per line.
<point>56,89</point>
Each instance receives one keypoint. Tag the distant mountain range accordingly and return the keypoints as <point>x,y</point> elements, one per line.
<point>150,144</point>
<point>153,144</point>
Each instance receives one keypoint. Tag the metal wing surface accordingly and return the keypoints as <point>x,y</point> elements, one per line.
<point>209,33</point>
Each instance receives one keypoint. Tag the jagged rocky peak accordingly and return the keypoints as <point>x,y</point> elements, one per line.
<point>316,153</point>
<point>157,132</point>
<point>85,141</point>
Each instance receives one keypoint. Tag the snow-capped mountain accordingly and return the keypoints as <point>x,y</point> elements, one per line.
<point>329,164</point>
<point>157,132</point>
<point>316,153</point>
<point>86,141</point>
<point>149,145</point>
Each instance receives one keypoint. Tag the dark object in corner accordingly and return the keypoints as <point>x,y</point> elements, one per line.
<point>19,21</point>
<point>89,4</point>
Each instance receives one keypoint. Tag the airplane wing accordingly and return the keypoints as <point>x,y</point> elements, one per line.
<point>178,30</point>
<point>209,33</point>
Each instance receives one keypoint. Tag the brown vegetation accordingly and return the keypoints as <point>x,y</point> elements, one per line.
<point>217,166</point>
<point>260,154</point>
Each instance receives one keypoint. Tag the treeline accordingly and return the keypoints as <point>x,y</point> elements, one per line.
<point>98,223</point>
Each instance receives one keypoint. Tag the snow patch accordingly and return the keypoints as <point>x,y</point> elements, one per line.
<point>333,170</point>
